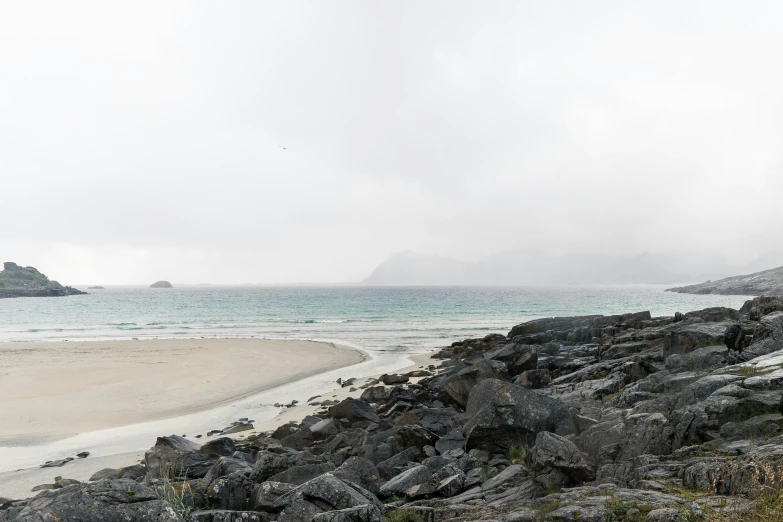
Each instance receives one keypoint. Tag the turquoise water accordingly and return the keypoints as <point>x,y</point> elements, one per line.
<point>379,319</point>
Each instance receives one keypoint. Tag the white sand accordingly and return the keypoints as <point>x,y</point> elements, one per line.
<point>50,391</point>
<point>17,484</point>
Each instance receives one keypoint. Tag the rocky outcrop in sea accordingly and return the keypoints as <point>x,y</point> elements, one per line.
<point>161,284</point>
<point>26,281</point>
<point>768,282</point>
<point>592,418</point>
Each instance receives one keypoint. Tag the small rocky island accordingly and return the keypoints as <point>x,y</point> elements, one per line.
<point>26,281</point>
<point>95,288</point>
<point>622,418</point>
<point>769,282</point>
<point>161,284</point>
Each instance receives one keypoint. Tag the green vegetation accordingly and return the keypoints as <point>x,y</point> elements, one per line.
<point>751,371</point>
<point>621,511</point>
<point>517,454</point>
<point>402,515</point>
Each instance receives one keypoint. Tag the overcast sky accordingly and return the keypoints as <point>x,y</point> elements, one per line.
<point>142,140</point>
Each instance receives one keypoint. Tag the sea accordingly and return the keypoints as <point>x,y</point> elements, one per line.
<point>376,318</point>
<point>388,324</point>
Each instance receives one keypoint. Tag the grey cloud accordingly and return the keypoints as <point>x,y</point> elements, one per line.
<point>451,128</point>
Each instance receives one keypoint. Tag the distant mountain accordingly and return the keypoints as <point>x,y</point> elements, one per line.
<point>768,282</point>
<point>534,267</point>
<point>26,281</point>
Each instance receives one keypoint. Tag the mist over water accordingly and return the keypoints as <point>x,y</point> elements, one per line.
<point>378,319</point>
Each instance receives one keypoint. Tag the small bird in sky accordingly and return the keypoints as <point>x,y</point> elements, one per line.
<point>284,148</point>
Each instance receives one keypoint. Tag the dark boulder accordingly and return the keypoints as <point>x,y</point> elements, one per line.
<point>322,494</point>
<point>555,452</point>
<point>365,513</point>
<point>222,446</point>
<point>375,394</point>
<point>267,493</point>
<point>120,500</point>
<point>360,472</point>
<point>501,415</point>
<point>301,474</point>
<point>394,379</point>
<point>167,456</point>
<point>354,410</point>
<point>458,386</point>
<point>517,357</point>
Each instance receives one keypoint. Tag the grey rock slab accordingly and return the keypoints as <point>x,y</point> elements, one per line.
<point>401,483</point>
<point>511,473</point>
<point>365,513</point>
<point>501,414</point>
<point>353,410</point>
<point>554,451</point>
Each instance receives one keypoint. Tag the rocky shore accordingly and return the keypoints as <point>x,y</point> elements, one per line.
<point>768,282</point>
<point>26,281</point>
<point>593,418</point>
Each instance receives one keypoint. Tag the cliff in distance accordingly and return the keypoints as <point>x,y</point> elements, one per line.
<point>768,282</point>
<point>26,281</point>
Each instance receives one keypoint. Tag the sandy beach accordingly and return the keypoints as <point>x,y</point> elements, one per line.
<point>18,484</point>
<point>53,390</point>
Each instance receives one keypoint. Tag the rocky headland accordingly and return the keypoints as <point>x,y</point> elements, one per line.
<point>593,418</point>
<point>768,282</point>
<point>26,281</point>
<point>161,284</point>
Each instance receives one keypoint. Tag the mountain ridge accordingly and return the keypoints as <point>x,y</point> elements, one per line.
<point>534,267</point>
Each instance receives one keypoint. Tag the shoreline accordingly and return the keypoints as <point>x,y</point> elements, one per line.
<point>111,384</point>
<point>18,483</point>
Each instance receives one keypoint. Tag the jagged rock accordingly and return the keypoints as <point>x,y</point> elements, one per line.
<point>267,493</point>
<point>237,428</point>
<point>400,484</point>
<point>375,394</point>
<point>556,452</point>
<point>501,415</point>
<point>231,492</point>
<point>365,513</point>
<point>56,463</point>
<point>767,336</point>
<point>533,379</point>
<point>665,515</point>
<point>458,386</point>
<point>360,472</point>
<point>301,438</point>
<point>510,474</point>
<point>354,410</point>
<point>324,429</point>
<point>322,494</point>
<point>225,466</point>
<point>517,358</point>
<point>130,472</point>
<point>223,515</point>
<point>120,500</point>
<point>195,465</point>
<point>687,338</point>
<point>436,420</point>
<point>222,446</point>
<point>168,454</point>
<point>416,436</point>
<point>390,467</point>
<point>301,474</point>
<point>451,441</point>
<point>394,379</point>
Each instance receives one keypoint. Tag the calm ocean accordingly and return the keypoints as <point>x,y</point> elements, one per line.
<point>378,319</point>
